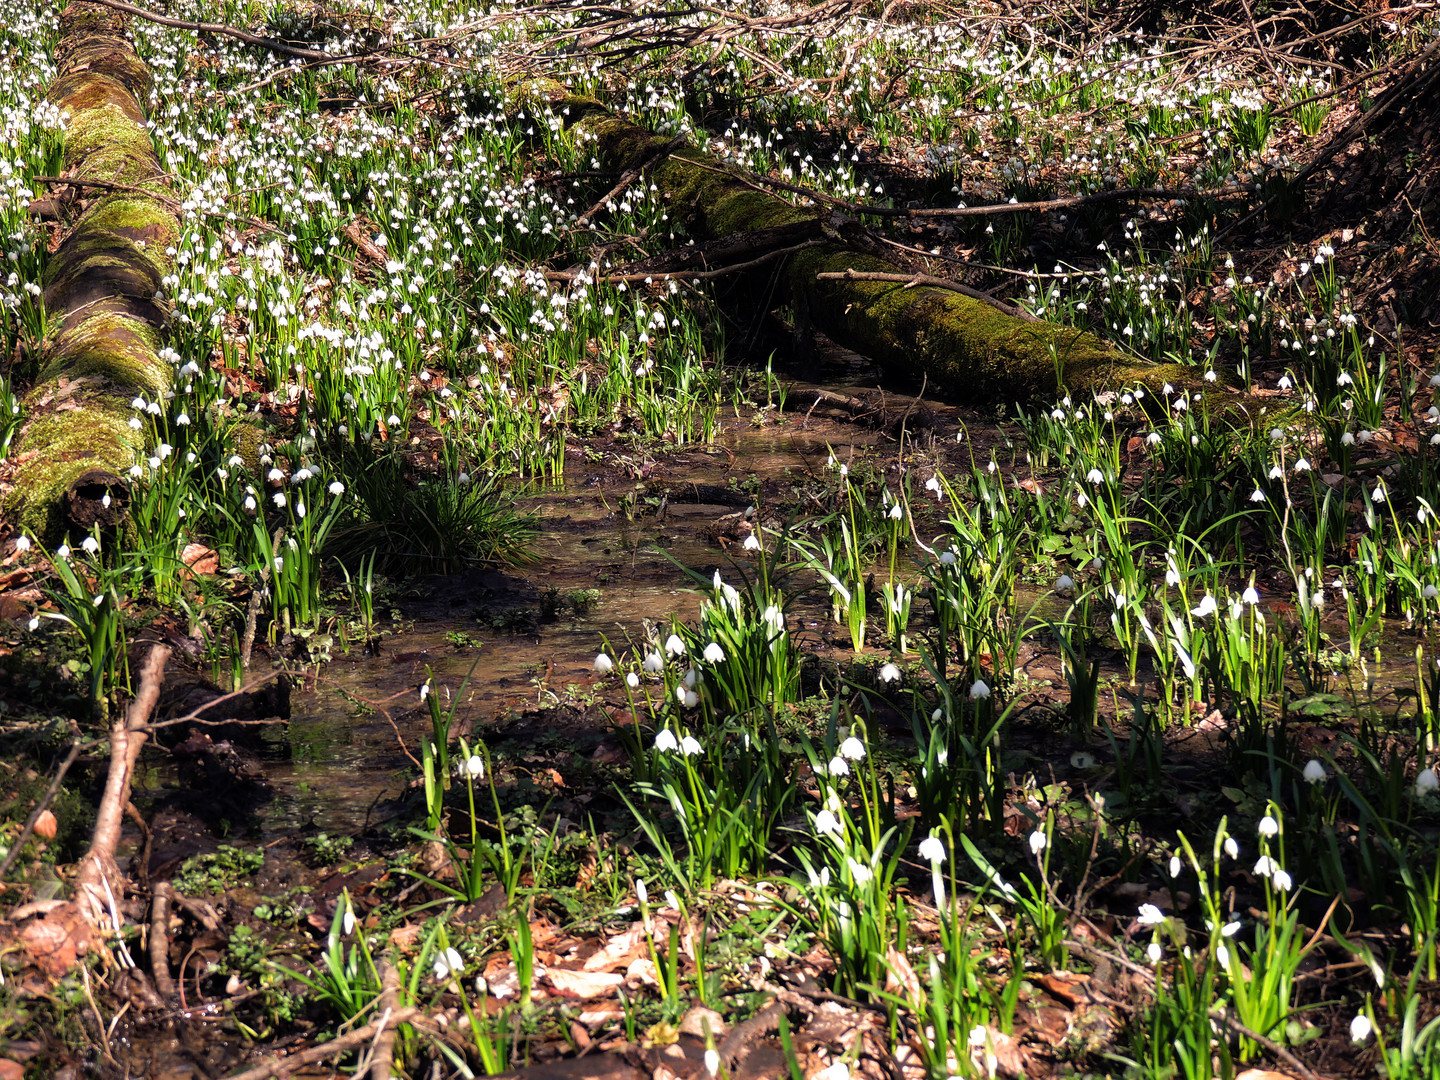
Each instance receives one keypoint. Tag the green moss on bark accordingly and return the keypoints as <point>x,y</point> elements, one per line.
<point>102,282</point>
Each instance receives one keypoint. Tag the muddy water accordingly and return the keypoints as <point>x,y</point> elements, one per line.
<point>515,640</point>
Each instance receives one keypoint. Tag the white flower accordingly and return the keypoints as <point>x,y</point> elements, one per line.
<point>1175,866</point>
<point>348,921</point>
<point>896,513</point>
<point>690,746</point>
<point>603,664</point>
<point>979,691</point>
<point>1360,1028</point>
<point>1250,596</point>
<point>714,654</point>
<point>826,822</point>
<point>475,767</point>
<point>1265,866</point>
<point>336,488</point>
<point>690,700</point>
<point>1082,759</point>
<point>1426,782</point>
<point>932,850</point>
<point>852,749</point>
<point>1231,928</point>
<point>933,484</point>
<point>1314,772</point>
<point>838,767</point>
<point>752,542</point>
<point>279,498</point>
<point>632,680</point>
<point>90,544</point>
<point>1064,584</point>
<point>1282,880</point>
<point>1257,496</point>
<point>1037,842</point>
<point>1232,848</point>
<point>447,964</point>
<point>1302,465</point>
<point>889,673</point>
<point>1207,607</point>
<point>641,892</point>
<point>948,557</point>
<point>1268,826</point>
<point>674,646</point>
<point>861,874</point>
<point>1154,952</point>
<point>22,543</point>
<point>712,1061</point>
<point>665,741</point>
<point>654,663</point>
<point>1150,915</point>
<point>1095,476</point>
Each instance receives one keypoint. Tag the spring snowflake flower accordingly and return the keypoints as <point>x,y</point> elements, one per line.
<point>932,850</point>
<point>752,542</point>
<point>1265,866</point>
<point>654,663</point>
<point>665,742</point>
<point>1282,880</point>
<point>674,646</point>
<point>838,767</point>
<point>979,690</point>
<point>896,512</point>
<point>1268,826</point>
<point>90,544</point>
<point>1095,476</point>
<point>690,746</point>
<point>690,699</point>
<point>948,557</point>
<point>475,767</point>
<point>1232,848</point>
<point>1154,952</point>
<point>933,484</point>
<point>1064,584</point>
<point>447,964</point>
<point>827,823</point>
<point>632,680</point>
<point>713,653</point>
<point>1257,496</point>
<point>1314,772</point>
<point>278,498</point>
<point>1150,915</point>
<point>603,664</point>
<point>1426,782</point>
<point>1302,465</point>
<point>336,488</point>
<point>889,673</point>
<point>1038,841</point>
<point>1207,607</point>
<point>1360,1028</point>
<point>852,749</point>
<point>1175,866</point>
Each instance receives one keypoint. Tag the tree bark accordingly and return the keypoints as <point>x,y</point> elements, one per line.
<point>107,319</point>
<point>962,344</point>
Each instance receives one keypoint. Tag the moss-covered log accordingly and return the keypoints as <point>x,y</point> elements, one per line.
<point>103,289</point>
<point>964,345</point>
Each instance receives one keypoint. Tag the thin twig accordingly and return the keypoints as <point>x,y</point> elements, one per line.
<point>338,1045</point>
<point>18,844</point>
<point>215,28</point>
<point>679,275</point>
<point>911,281</point>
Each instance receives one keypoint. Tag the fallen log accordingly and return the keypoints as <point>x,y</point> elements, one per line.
<point>103,290</point>
<point>959,342</point>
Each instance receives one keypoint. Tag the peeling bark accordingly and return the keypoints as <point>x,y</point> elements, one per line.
<point>962,344</point>
<point>103,291</point>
